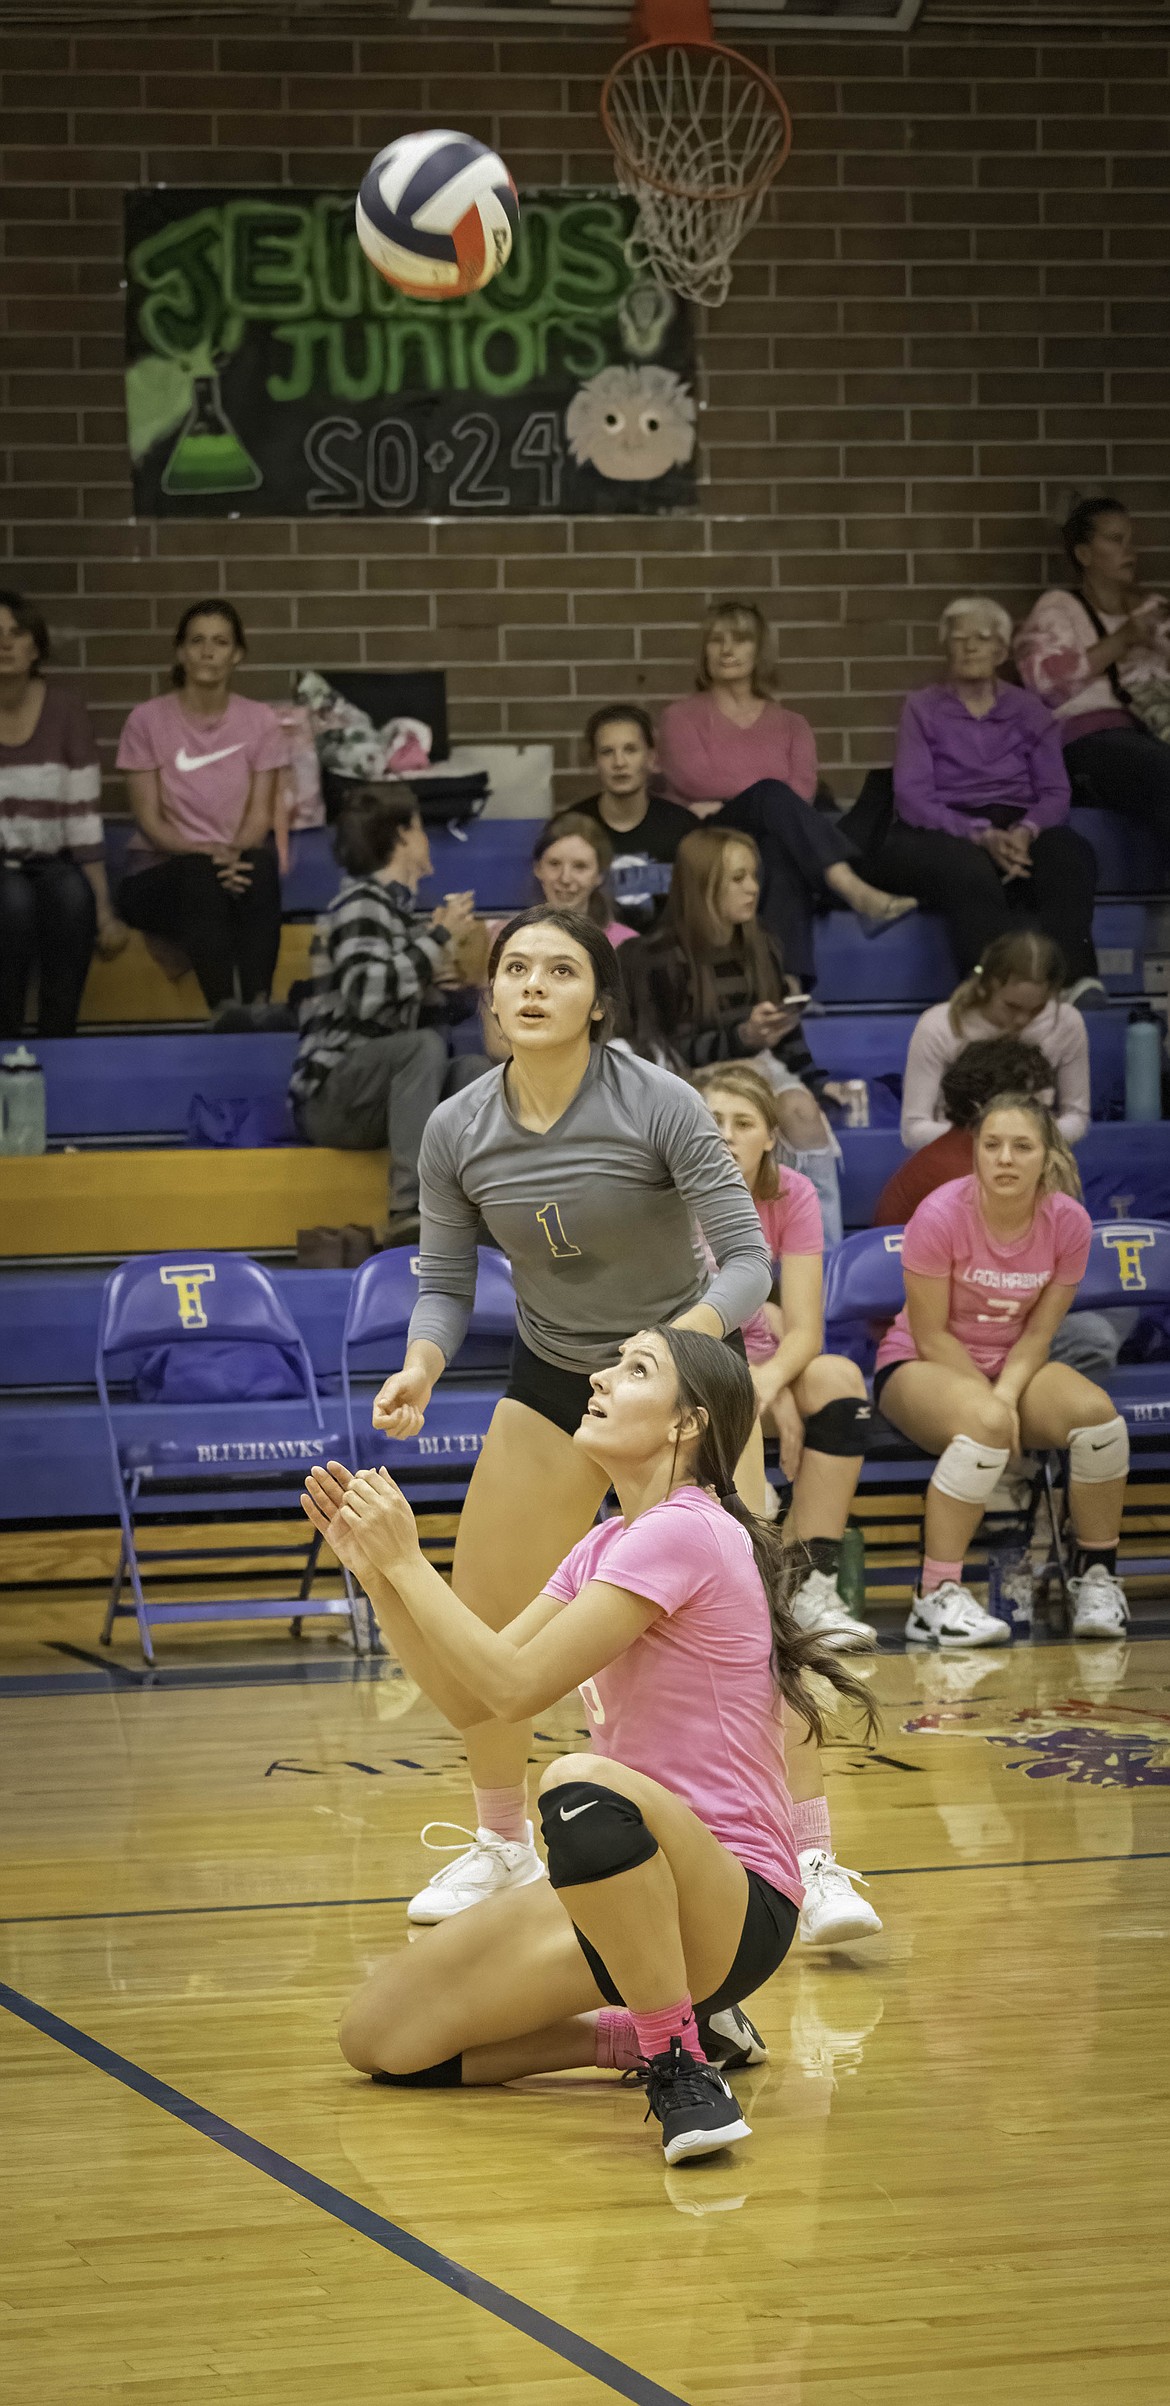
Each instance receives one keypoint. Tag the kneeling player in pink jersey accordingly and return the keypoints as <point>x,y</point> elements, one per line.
<point>992,1264</point>
<point>672,1867</point>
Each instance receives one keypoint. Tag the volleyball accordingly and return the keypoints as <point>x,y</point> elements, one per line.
<point>436,214</point>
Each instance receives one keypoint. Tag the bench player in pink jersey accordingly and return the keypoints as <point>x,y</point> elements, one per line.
<point>992,1264</point>
<point>673,1887</point>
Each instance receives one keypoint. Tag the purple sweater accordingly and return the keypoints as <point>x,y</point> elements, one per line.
<point>950,768</point>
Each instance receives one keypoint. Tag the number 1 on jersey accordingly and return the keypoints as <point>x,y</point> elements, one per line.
<point>549,1217</point>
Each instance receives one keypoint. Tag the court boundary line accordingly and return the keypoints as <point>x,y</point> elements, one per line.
<point>583,2354</point>
<point>326,1904</point>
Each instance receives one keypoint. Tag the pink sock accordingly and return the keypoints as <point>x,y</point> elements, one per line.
<point>504,1811</point>
<point>654,2031</point>
<point>933,1574</point>
<point>616,2040</point>
<point>811,1823</point>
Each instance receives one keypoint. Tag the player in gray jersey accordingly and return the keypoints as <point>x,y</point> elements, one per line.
<point>590,1169</point>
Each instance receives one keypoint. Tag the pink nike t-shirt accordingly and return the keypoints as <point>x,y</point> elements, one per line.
<point>205,765</point>
<point>994,1285</point>
<point>692,1702</point>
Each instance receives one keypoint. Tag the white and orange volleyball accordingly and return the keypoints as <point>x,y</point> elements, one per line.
<point>436,214</point>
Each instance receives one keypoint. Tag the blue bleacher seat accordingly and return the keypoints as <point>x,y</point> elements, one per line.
<point>912,961</point>
<point>253,1457</point>
<point>1123,1166</point>
<point>873,1044</point>
<point>143,1085</point>
<point>491,857</point>
<point>1131,858</point>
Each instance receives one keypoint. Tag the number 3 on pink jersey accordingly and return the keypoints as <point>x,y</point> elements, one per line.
<point>591,1700</point>
<point>549,1218</point>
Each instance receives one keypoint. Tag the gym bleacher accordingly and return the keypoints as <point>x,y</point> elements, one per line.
<point>124,1171</point>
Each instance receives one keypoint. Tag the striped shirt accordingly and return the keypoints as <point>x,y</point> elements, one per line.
<point>372,959</point>
<point>50,787</point>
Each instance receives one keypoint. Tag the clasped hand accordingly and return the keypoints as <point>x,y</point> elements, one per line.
<point>364,1516</point>
<point>231,868</point>
<point>1010,849</point>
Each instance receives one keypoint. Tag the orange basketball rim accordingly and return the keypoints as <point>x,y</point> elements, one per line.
<point>698,134</point>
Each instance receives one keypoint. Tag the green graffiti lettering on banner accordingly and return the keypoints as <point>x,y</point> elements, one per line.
<point>267,268</point>
<point>338,262</point>
<point>305,343</point>
<point>297,268</point>
<point>347,381</point>
<point>592,272</point>
<point>415,354</point>
<point>180,270</point>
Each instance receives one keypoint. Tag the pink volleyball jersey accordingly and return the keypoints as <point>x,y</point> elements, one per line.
<point>995,1285</point>
<point>791,1222</point>
<point>692,1703</point>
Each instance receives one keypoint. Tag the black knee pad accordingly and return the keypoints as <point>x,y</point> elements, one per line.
<point>840,1427</point>
<point>448,2075</point>
<point>592,1833</point>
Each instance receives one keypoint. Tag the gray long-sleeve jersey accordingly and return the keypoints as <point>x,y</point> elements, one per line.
<point>596,1215</point>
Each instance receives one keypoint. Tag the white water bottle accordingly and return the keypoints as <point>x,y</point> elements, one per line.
<point>22,1103</point>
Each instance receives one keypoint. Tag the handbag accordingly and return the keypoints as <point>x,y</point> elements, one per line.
<point>1149,701</point>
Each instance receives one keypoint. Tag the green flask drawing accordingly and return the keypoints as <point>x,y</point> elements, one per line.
<point>209,456</point>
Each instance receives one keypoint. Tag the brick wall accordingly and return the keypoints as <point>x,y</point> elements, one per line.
<point>955,310</point>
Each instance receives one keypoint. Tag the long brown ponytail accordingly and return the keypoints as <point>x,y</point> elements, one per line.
<point>714,1385</point>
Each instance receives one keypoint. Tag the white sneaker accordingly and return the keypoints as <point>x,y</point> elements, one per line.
<point>817,1607</point>
<point>831,1915</point>
<point>485,1868</point>
<point>952,1616</point>
<point>1099,1605</point>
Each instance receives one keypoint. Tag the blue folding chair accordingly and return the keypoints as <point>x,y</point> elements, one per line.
<point>435,1466</point>
<point>1129,1264</point>
<point>864,1283</point>
<point>227,1458</point>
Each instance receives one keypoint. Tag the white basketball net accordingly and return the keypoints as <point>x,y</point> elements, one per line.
<point>697,139</point>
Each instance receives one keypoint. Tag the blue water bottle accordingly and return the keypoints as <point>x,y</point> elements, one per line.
<point>1143,1065</point>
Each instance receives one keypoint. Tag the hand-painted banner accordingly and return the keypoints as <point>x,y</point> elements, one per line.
<point>270,373</point>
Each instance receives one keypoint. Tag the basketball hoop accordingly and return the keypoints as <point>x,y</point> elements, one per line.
<point>698,134</point>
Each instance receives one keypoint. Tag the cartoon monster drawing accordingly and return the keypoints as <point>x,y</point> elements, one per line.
<point>632,424</point>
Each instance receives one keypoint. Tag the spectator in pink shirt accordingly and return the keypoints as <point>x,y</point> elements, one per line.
<point>732,743</point>
<point>1099,655</point>
<point>201,765</point>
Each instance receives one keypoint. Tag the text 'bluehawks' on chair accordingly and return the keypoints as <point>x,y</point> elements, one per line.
<point>434,1467</point>
<point>211,1407</point>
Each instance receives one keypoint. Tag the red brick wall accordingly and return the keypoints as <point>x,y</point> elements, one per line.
<point>956,308</point>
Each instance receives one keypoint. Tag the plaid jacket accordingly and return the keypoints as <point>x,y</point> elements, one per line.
<point>372,958</point>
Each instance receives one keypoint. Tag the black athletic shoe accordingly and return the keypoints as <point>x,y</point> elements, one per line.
<point>693,2103</point>
<point>731,2042</point>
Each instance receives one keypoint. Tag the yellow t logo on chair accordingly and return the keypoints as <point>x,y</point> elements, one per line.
<point>1128,1244</point>
<point>188,1281</point>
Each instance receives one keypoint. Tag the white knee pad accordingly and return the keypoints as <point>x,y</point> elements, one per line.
<point>1095,1455</point>
<point>969,1472</point>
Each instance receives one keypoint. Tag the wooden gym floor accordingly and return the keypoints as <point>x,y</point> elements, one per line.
<point>956,2189</point>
